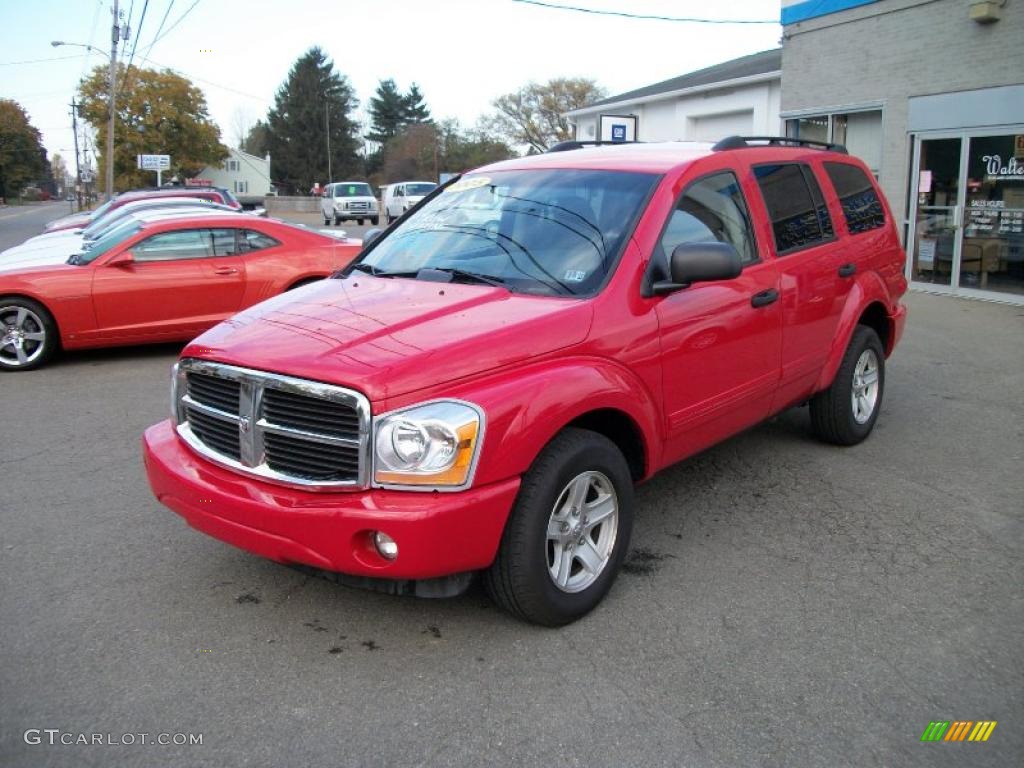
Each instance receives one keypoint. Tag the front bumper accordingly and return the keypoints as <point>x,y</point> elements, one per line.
<point>438,534</point>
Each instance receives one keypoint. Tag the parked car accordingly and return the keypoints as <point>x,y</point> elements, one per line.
<point>349,201</point>
<point>78,220</point>
<point>399,198</point>
<point>164,278</point>
<point>470,398</point>
<point>71,240</point>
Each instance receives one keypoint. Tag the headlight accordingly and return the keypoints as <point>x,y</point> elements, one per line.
<point>178,385</point>
<point>435,444</point>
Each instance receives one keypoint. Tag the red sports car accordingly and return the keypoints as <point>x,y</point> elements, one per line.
<point>153,281</point>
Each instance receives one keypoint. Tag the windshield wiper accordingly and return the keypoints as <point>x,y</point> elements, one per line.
<point>452,273</point>
<point>362,266</point>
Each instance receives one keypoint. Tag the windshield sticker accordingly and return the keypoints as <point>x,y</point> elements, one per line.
<point>473,182</point>
<point>574,276</point>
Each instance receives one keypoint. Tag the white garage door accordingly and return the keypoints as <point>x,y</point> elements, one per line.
<point>715,127</point>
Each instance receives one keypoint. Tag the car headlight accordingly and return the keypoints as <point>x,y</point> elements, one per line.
<point>433,445</point>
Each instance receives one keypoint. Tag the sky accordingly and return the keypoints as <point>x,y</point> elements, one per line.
<point>461,53</point>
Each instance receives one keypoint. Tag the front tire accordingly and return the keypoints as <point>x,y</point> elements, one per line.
<point>360,222</point>
<point>375,220</point>
<point>337,221</point>
<point>28,334</point>
<point>846,412</point>
<point>568,532</point>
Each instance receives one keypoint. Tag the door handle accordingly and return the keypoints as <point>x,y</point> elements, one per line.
<point>764,298</point>
<point>225,271</point>
<point>847,270</point>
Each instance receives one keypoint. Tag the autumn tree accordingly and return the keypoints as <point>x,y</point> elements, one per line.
<point>158,113</point>
<point>423,151</point>
<point>313,96</point>
<point>22,156</point>
<point>533,116</point>
<point>391,112</point>
<point>64,180</point>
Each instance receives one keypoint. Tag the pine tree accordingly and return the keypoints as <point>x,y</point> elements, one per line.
<point>313,96</point>
<point>415,107</point>
<point>387,112</point>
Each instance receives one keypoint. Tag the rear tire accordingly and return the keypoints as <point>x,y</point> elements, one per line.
<point>845,413</point>
<point>568,531</point>
<point>28,334</point>
<point>375,220</point>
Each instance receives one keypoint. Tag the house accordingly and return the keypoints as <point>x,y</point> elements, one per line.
<point>931,96</point>
<point>735,97</point>
<point>246,176</point>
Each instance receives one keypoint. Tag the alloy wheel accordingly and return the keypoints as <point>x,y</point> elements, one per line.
<point>581,531</point>
<point>22,336</point>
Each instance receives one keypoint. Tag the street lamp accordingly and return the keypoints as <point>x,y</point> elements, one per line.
<point>110,108</point>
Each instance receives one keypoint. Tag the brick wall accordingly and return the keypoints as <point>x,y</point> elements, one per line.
<point>891,50</point>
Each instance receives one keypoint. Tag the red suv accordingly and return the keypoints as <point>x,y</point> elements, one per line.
<point>481,389</point>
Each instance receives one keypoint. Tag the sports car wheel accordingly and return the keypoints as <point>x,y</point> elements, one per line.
<point>28,335</point>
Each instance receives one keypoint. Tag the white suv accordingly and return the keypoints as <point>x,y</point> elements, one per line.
<point>349,201</point>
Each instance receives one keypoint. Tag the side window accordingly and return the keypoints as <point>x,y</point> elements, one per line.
<point>861,207</point>
<point>224,242</point>
<point>712,210</point>
<point>795,204</point>
<point>256,241</point>
<point>172,246</point>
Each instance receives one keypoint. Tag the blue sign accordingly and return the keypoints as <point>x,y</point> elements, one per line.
<point>618,132</point>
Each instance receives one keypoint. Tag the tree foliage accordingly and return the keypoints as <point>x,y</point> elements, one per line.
<point>297,125</point>
<point>157,112</point>
<point>257,141</point>
<point>391,113</point>
<point>22,156</point>
<point>423,151</point>
<point>533,115</point>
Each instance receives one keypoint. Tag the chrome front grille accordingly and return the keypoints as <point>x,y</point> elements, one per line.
<point>283,429</point>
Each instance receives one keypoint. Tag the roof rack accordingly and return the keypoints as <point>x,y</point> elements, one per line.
<point>566,146</point>
<point>743,142</point>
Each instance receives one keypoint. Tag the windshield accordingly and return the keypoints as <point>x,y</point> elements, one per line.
<point>550,232</point>
<point>102,209</point>
<point>353,190</point>
<point>115,237</point>
<point>419,190</point>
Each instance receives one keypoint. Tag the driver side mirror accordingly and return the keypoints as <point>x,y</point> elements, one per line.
<point>123,259</point>
<point>699,263</point>
<point>370,236</point>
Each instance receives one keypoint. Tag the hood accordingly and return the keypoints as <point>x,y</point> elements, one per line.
<point>390,336</point>
<point>69,222</point>
<point>21,262</point>
<point>66,242</point>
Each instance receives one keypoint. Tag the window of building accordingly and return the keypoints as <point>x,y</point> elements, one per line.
<point>712,210</point>
<point>795,206</point>
<point>232,165</point>
<point>857,196</point>
<point>241,187</point>
<point>860,132</point>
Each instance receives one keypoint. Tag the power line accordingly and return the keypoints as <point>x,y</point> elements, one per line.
<point>651,17</point>
<point>138,32</point>
<point>36,61</point>
<point>176,23</point>
<point>262,99</point>
<point>160,28</point>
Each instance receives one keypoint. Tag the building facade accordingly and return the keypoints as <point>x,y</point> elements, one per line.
<point>930,93</point>
<point>246,176</point>
<point>736,97</point>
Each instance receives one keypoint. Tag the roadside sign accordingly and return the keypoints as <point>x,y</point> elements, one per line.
<point>153,162</point>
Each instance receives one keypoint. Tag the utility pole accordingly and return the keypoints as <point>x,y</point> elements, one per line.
<point>78,166</point>
<point>115,36</point>
<point>327,120</point>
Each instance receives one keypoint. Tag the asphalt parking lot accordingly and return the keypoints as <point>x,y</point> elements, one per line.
<point>785,603</point>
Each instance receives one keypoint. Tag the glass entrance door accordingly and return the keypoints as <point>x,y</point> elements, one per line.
<point>937,231</point>
<point>992,251</point>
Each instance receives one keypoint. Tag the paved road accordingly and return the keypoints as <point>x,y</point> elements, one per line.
<point>786,603</point>
<point>20,222</point>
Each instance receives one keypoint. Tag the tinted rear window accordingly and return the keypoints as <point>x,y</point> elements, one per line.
<point>795,204</point>
<point>857,196</point>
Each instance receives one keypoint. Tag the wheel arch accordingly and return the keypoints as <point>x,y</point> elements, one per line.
<point>42,303</point>
<point>867,304</point>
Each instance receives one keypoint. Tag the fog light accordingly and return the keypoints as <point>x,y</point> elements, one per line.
<point>385,545</point>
